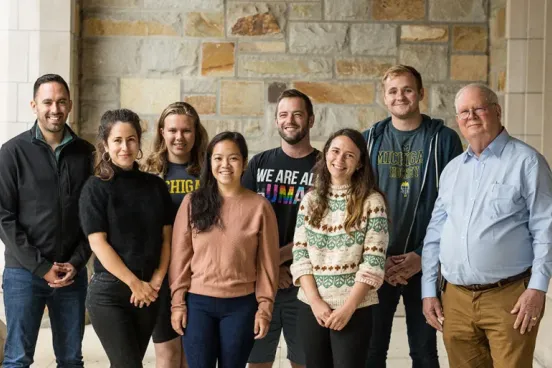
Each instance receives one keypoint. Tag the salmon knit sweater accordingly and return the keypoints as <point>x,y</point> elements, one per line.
<point>336,259</point>
<point>237,259</point>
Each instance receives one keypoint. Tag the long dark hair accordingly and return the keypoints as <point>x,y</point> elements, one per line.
<point>363,183</point>
<point>102,166</point>
<point>157,161</point>
<point>206,202</point>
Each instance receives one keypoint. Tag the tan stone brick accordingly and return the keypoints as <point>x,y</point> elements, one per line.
<point>110,27</point>
<point>424,33</point>
<point>250,128</point>
<point>245,98</point>
<point>398,9</point>
<point>373,39</point>
<point>262,47</point>
<point>469,38</point>
<point>430,60</point>
<point>367,67</point>
<point>258,19</point>
<point>204,105</point>
<point>111,56</point>
<point>110,3</point>
<point>317,38</point>
<point>199,24</point>
<point>497,24</point>
<point>338,93</point>
<point>442,100</point>
<point>469,67</point>
<point>302,11</point>
<point>458,11</point>
<point>217,59</point>
<point>285,66</point>
<point>180,57</point>
<point>148,96</point>
<point>346,10</point>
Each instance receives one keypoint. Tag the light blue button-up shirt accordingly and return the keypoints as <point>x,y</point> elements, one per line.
<point>492,219</point>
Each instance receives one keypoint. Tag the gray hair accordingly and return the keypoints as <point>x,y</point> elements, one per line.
<point>489,94</point>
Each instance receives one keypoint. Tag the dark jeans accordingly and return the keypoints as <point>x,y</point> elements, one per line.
<point>422,337</point>
<point>25,297</point>
<point>325,348</point>
<point>123,329</point>
<point>219,329</point>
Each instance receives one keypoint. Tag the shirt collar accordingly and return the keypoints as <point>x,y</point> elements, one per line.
<point>67,137</point>
<point>496,147</point>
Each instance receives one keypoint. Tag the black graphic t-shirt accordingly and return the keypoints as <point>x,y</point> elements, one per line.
<point>284,181</point>
<point>400,161</point>
<point>180,183</point>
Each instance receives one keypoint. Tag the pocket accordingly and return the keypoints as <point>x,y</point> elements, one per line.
<point>105,277</point>
<point>503,201</point>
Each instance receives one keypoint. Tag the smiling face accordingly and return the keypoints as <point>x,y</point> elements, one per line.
<point>483,120</point>
<point>179,135</point>
<point>402,96</point>
<point>123,145</point>
<point>292,120</point>
<point>51,106</point>
<point>227,163</point>
<point>342,159</point>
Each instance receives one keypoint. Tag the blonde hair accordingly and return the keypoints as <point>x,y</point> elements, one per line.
<point>401,69</point>
<point>156,162</point>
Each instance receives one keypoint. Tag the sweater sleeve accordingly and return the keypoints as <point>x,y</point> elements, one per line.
<point>268,259</point>
<point>372,266</point>
<point>301,262</point>
<point>180,272</point>
<point>92,207</point>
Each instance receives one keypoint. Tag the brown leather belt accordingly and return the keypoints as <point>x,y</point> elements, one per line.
<point>503,282</point>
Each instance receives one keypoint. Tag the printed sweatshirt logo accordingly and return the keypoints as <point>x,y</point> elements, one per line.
<point>182,186</point>
<point>283,186</point>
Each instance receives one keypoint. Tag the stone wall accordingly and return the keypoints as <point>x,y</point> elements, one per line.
<point>231,59</point>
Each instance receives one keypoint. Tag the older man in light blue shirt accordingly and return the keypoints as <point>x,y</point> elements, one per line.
<point>491,238</point>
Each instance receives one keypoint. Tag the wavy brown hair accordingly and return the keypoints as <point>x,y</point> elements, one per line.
<point>156,162</point>
<point>103,168</point>
<point>363,183</point>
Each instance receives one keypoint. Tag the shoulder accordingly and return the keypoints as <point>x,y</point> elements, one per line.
<point>266,155</point>
<point>523,152</point>
<point>95,187</point>
<point>85,146</point>
<point>20,141</point>
<point>375,201</point>
<point>306,201</point>
<point>448,136</point>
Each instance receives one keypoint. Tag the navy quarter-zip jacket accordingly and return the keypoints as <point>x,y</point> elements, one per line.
<point>440,147</point>
<point>39,195</point>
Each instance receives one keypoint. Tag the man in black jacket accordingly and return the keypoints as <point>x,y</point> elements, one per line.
<point>42,172</point>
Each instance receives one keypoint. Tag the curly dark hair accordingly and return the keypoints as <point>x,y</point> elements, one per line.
<point>102,168</point>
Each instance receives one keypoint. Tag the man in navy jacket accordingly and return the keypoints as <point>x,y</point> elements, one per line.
<point>42,172</point>
<point>408,152</point>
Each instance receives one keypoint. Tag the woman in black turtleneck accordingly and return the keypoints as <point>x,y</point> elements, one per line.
<point>127,216</point>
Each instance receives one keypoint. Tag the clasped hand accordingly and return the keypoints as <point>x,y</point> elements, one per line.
<point>335,319</point>
<point>144,293</point>
<point>398,269</point>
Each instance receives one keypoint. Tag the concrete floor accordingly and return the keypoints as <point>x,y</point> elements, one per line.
<point>95,357</point>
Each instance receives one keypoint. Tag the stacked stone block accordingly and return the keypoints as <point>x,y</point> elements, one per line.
<point>232,58</point>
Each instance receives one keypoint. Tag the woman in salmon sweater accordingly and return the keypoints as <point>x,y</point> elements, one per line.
<point>339,250</point>
<point>224,261</point>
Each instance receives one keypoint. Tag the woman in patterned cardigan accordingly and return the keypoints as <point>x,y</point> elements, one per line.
<point>339,251</point>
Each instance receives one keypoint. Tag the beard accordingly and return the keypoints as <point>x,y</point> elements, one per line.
<point>295,137</point>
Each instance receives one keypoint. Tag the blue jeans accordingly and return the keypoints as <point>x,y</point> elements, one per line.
<point>422,338</point>
<point>25,296</point>
<point>219,329</point>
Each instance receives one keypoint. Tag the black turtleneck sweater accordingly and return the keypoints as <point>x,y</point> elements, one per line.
<point>131,208</point>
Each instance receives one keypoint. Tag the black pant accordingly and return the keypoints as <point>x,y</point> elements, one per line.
<point>422,338</point>
<point>123,329</point>
<point>325,348</point>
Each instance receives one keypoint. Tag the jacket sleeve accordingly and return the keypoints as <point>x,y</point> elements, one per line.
<point>268,259</point>
<point>301,261</point>
<point>11,233</point>
<point>180,267</point>
<point>372,266</point>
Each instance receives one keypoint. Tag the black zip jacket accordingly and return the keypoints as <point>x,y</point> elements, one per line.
<point>39,217</point>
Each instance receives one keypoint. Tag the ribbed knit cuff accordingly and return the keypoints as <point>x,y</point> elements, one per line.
<point>369,279</point>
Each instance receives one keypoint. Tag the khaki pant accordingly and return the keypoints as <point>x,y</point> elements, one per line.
<point>478,329</point>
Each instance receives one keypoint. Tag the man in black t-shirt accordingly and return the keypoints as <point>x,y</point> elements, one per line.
<point>283,175</point>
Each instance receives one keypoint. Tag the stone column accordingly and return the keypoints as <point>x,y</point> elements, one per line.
<point>39,37</point>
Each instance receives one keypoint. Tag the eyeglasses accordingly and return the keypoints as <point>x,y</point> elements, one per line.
<point>478,111</point>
